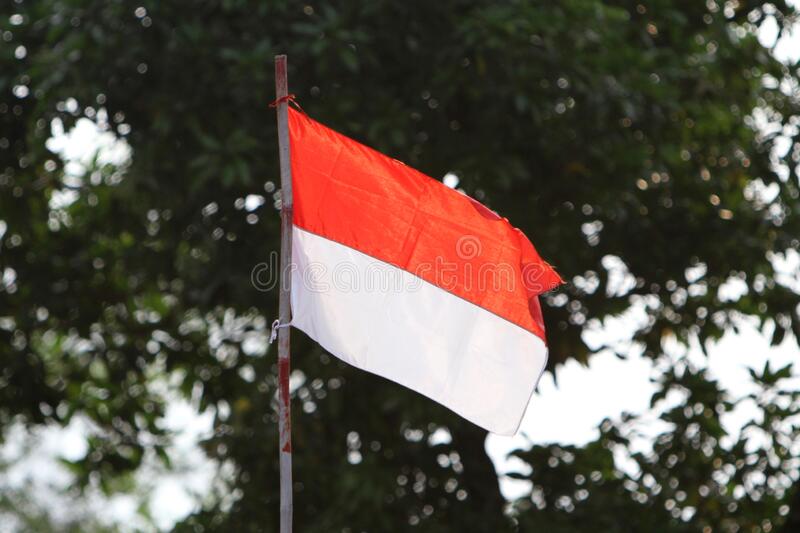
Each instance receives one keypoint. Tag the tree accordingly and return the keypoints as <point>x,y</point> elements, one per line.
<point>633,141</point>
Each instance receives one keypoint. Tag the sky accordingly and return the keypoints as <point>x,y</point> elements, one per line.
<point>568,412</point>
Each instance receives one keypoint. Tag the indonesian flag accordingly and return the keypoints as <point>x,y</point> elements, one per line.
<point>406,278</point>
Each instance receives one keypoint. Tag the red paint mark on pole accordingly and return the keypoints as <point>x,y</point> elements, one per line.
<point>284,407</point>
<point>283,383</point>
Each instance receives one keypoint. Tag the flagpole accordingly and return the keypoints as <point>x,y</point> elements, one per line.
<point>284,407</point>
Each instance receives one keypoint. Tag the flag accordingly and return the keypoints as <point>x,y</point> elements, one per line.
<point>402,276</point>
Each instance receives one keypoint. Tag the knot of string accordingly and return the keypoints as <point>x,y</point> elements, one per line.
<point>289,98</point>
<point>276,325</point>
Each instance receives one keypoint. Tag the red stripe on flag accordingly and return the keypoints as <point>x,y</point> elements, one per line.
<point>358,197</point>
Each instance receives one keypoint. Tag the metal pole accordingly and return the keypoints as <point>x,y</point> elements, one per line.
<point>284,408</point>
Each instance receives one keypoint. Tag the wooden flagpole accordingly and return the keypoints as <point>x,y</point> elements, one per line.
<point>284,407</point>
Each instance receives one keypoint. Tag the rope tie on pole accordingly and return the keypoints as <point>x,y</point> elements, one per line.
<point>276,325</point>
<point>290,99</point>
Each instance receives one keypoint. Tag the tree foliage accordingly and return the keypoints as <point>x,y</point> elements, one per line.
<point>641,145</point>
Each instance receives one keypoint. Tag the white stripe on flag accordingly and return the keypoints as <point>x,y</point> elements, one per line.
<point>387,321</point>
